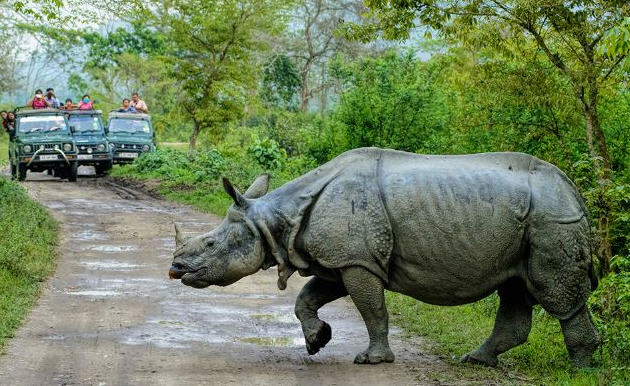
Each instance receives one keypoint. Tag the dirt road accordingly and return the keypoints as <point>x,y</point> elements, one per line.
<point>110,316</point>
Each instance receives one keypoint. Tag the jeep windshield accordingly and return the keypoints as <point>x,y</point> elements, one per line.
<point>132,126</point>
<point>85,124</point>
<point>41,124</point>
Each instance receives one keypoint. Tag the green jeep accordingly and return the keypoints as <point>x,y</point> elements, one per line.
<point>130,135</point>
<point>89,136</point>
<point>42,141</point>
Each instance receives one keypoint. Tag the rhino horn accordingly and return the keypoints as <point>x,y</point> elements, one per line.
<point>259,187</point>
<point>179,239</point>
<point>238,198</point>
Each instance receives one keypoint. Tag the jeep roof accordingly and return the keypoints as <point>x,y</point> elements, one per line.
<point>117,114</point>
<point>82,112</point>
<point>22,111</point>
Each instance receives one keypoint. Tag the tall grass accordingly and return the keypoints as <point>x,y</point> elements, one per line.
<point>27,254</point>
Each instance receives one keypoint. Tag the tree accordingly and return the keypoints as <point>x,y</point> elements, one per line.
<point>281,82</point>
<point>314,40</point>
<point>214,55</point>
<point>569,34</point>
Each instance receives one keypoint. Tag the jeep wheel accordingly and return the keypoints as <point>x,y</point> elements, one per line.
<point>21,172</point>
<point>73,171</point>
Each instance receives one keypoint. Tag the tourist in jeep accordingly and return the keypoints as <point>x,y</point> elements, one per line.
<point>69,106</point>
<point>38,101</point>
<point>4,116</point>
<point>51,98</point>
<point>127,107</point>
<point>138,104</point>
<point>10,121</point>
<point>86,103</point>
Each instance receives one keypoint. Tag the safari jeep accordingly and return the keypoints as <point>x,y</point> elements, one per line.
<point>89,135</point>
<point>130,135</point>
<point>42,141</point>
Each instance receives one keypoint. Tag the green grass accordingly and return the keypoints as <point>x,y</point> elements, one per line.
<point>27,254</point>
<point>4,149</point>
<point>458,330</point>
<point>182,146</point>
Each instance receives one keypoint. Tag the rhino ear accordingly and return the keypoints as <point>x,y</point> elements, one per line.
<point>259,187</point>
<point>179,239</point>
<point>238,198</point>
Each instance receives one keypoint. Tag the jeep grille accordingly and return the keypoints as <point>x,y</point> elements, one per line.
<point>128,146</point>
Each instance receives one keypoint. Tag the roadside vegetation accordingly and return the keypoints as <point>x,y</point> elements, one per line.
<point>4,149</point>
<point>27,254</point>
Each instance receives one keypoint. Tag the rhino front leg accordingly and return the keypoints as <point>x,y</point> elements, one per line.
<point>313,296</point>
<point>366,291</point>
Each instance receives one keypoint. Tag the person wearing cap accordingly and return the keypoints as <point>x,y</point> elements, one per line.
<point>52,99</point>
<point>138,103</point>
<point>38,102</point>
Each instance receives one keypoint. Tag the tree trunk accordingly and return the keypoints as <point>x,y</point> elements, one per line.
<point>596,140</point>
<point>304,91</point>
<point>594,133</point>
<point>192,144</point>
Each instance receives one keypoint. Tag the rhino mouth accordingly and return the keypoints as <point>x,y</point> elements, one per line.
<point>178,271</point>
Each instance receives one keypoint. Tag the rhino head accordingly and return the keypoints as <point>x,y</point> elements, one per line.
<point>228,253</point>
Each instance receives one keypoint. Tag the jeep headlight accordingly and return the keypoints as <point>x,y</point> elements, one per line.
<point>100,147</point>
<point>27,148</point>
<point>145,148</point>
<point>67,146</point>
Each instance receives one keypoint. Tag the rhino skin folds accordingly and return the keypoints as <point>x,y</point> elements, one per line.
<point>446,230</point>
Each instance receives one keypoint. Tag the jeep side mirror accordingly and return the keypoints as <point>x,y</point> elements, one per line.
<point>106,129</point>
<point>73,128</point>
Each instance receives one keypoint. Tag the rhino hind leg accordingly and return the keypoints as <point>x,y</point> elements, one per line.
<point>560,271</point>
<point>511,327</point>
<point>367,293</point>
<point>313,296</point>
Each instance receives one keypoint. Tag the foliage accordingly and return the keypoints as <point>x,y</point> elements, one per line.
<point>27,254</point>
<point>281,83</point>
<point>391,101</point>
<point>179,168</point>
<point>213,51</point>
<point>267,152</point>
<point>611,306</point>
<point>104,50</point>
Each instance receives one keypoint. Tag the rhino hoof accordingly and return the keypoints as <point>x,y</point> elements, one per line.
<point>318,337</point>
<point>374,356</point>
<point>479,359</point>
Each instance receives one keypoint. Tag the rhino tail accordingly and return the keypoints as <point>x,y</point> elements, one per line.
<point>593,277</point>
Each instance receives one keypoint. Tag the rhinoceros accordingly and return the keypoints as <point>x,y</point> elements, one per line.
<point>446,230</point>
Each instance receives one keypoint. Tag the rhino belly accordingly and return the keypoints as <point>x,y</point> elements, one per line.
<point>458,233</point>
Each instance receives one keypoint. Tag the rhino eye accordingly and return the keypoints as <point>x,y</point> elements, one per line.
<point>209,242</point>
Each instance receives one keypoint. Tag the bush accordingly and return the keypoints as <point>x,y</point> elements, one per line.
<point>267,153</point>
<point>180,168</point>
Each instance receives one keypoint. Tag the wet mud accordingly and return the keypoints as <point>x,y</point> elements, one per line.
<point>110,315</point>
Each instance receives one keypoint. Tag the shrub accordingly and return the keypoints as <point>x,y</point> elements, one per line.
<point>267,153</point>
